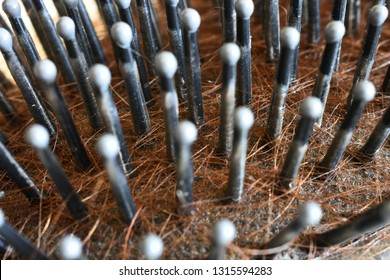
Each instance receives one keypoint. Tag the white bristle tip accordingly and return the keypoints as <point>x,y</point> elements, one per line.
<point>310,213</point>
<point>12,8</point>
<point>123,4</point>
<point>244,118</point>
<point>230,53</point>
<point>66,28</point>
<point>289,37</point>
<point>364,90</point>
<point>122,35</point>
<point>377,15</point>
<point>70,248</point>
<point>108,146</point>
<point>5,40</point>
<point>2,218</point>
<point>46,71</point>
<point>224,232</point>
<point>186,132</point>
<point>100,76</point>
<point>152,247</point>
<point>245,8</point>
<point>311,107</point>
<point>37,136</point>
<point>70,3</point>
<point>334,31</point>
<point>190,19</point>
<point>166,64</point>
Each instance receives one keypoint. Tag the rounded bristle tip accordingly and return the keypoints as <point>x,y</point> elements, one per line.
<point>124,4</point>
<point>46,71</point>
<point>5,40</point>
<point>70,248</point>
<point>244,118</point>
<point>364,90</point>
<point>289,37</point>
<point>12,8</point>
<point>230,53</point>
<point>66,28</point>
<point>108,146</point>
<point>122,35</point>
<point>186,132</point>
<point>310,213</point>
<point>190,19</point>
<point>224,232</point>
<point>152,247</point>
<point>311,107</point>
<point>166,64</point>
<point>100,76</point>
<point>377,15</point>
<point>37,136</point>
<point>334,31</point>
<point>245,8</point>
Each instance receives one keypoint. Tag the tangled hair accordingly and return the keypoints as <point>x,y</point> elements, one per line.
<point>344,193</point>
